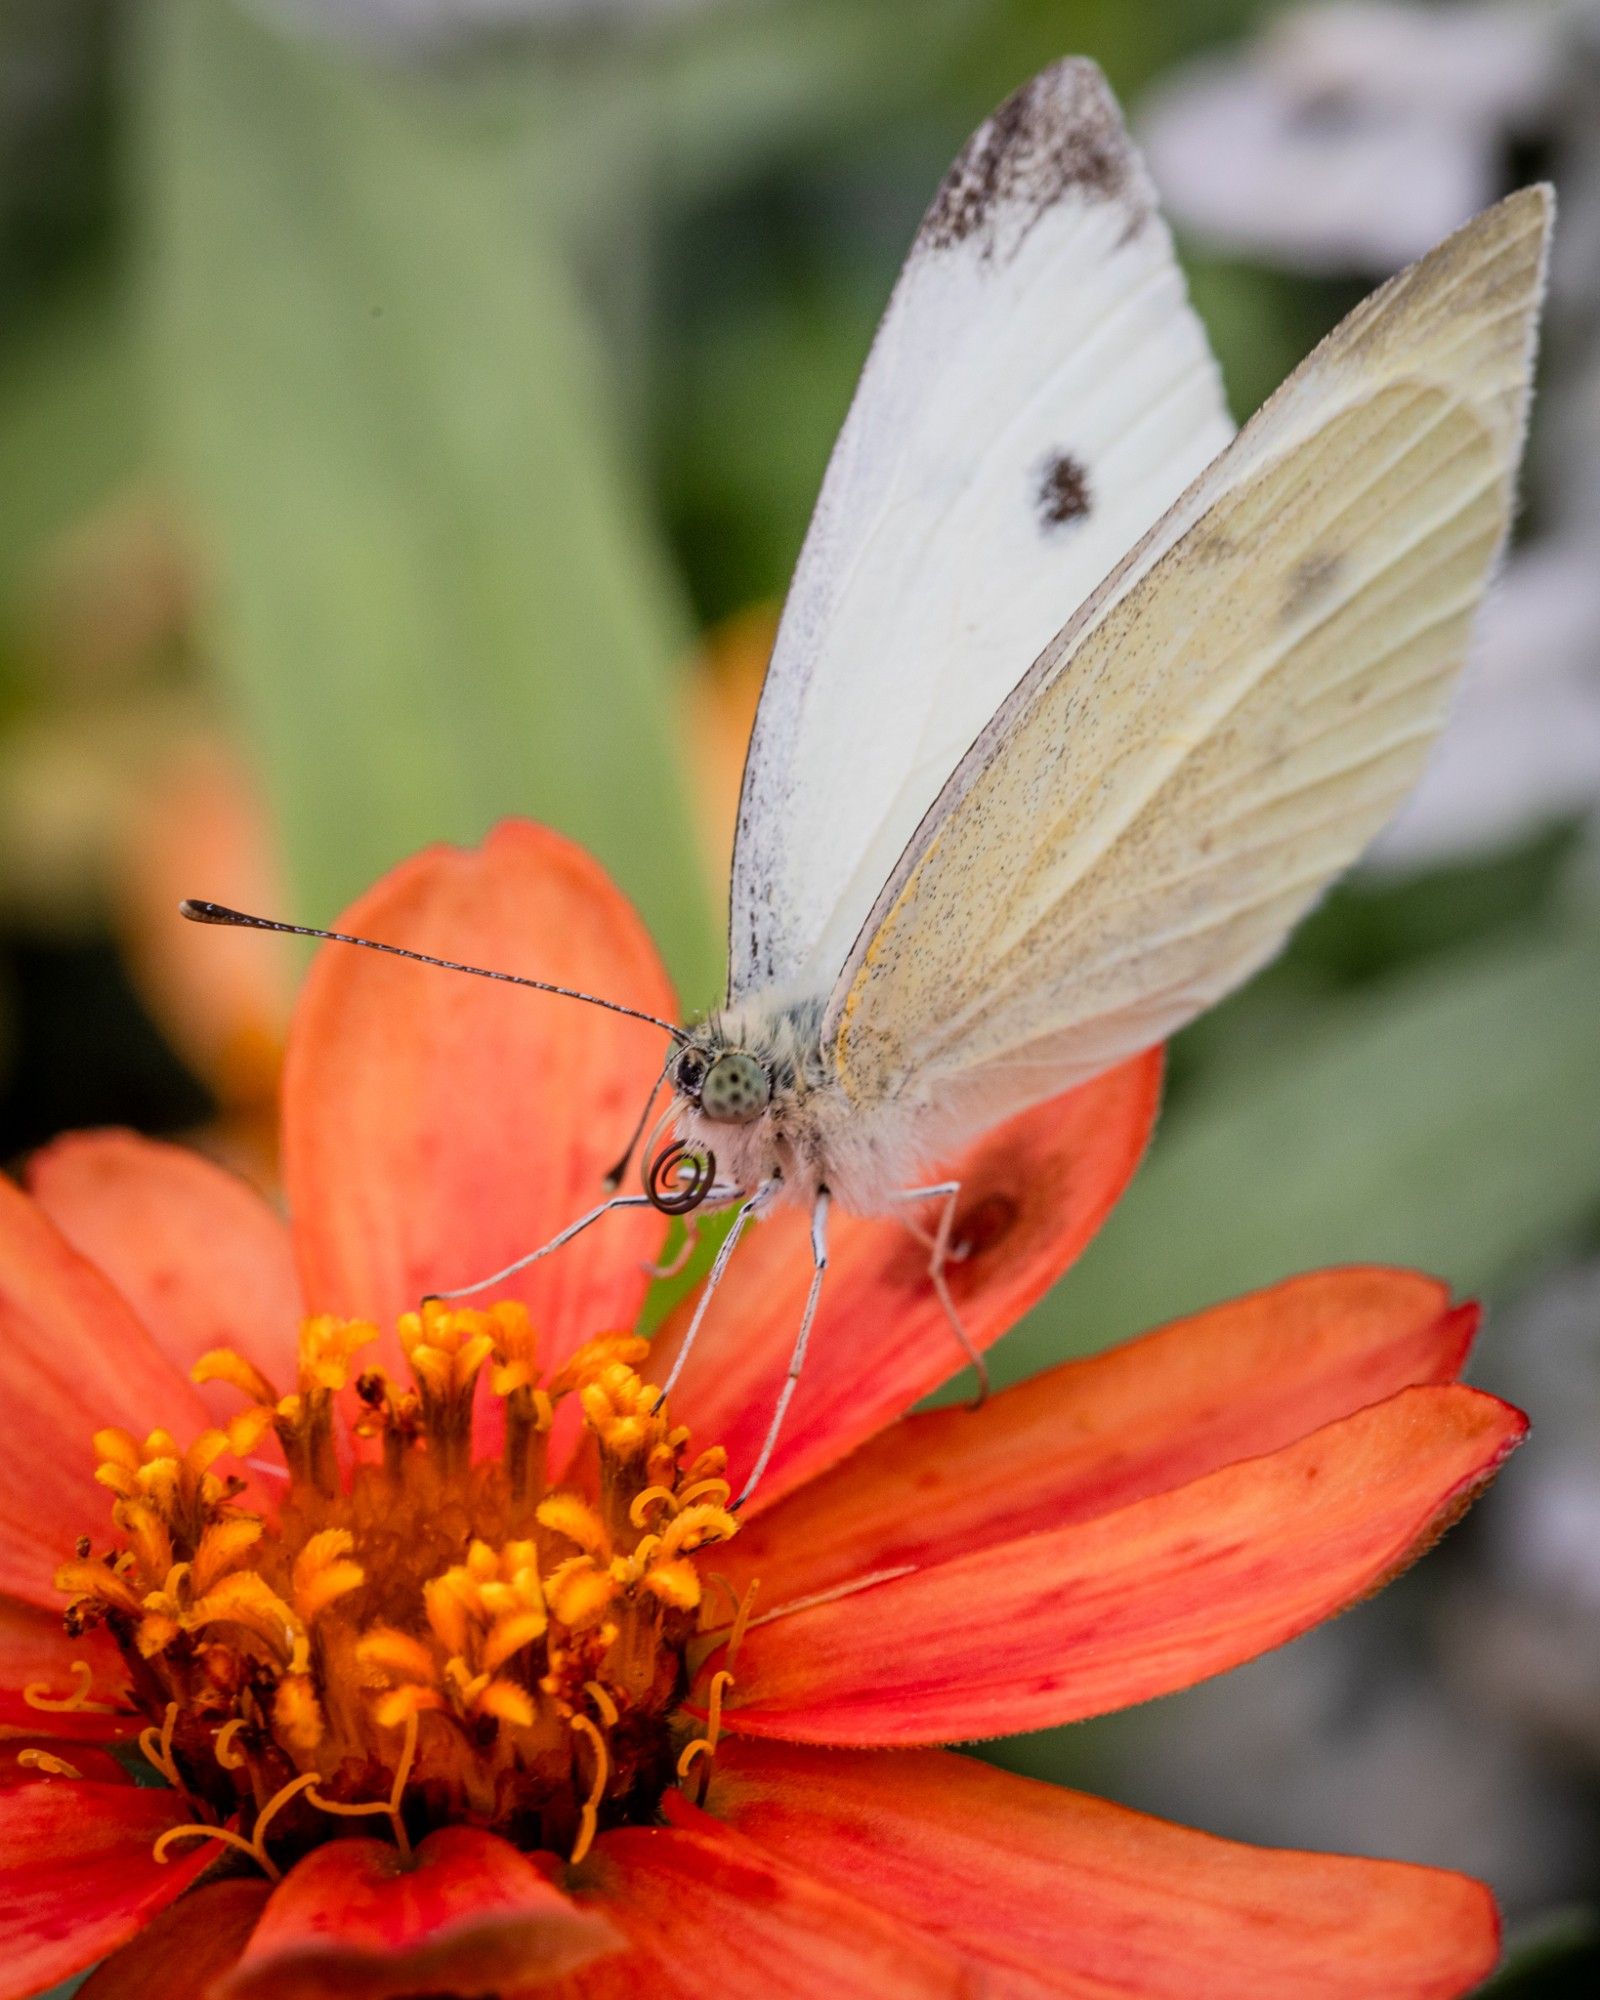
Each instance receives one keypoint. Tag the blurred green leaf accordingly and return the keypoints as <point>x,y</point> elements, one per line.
<point>1132,43</point>
<point>1262,324</point>
<point>72,426</point>
<point>739,83</point>
<point>435,592</point>
<point>1445,1120</point>
<point>738,488</point>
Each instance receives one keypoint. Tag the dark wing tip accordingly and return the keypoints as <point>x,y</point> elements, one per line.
<point>1061,132</point>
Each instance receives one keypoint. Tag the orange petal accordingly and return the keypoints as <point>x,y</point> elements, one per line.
<point>34,1648</point>
<point>72,1358</point>
<point>1111,1611</point>
<point>203,1935</point>
<point>1242,1379</point>
<point>469,1914</point>
<point>1034,1191</point>
<point>79,1874</point>
<point>708,1912</point>
<point>1046,1892</point>
<point>436,1126</point>
<point>196,1252</point>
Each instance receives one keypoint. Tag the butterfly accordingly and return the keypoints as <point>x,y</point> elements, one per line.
<point>1079,700</point>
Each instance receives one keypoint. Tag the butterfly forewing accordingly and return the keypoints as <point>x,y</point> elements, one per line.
<point>1226,724</point>
<point>1038,392</point>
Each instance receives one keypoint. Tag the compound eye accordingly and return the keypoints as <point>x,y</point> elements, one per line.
<point>690,1072</point>
<point>736,1089</point>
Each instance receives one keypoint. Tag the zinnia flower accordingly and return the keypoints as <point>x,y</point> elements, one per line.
<point>459,1675</point>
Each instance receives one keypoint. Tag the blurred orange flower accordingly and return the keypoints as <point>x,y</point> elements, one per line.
<point>222,1001</point>
<point>466,1675</point>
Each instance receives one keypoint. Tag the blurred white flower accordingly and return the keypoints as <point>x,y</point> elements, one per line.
<point>1523,746</point>
<point>1352,136</point>
<point>1349,138</point>
<point>1527,1629</point>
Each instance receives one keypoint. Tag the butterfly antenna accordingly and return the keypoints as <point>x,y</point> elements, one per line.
<point>217,913</point>
<point>613,1179</point>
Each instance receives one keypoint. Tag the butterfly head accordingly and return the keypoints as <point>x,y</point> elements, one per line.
<point>727,1086</point>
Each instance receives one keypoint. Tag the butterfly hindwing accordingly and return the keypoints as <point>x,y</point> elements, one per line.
<point>1226,724</point>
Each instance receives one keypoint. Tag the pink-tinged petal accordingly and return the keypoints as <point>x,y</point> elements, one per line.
<point>72,1358</point>
<point>1034,1191</point>
<point>1045,1892</point>
<point>468,1914</point>
<point>36,1652</point>
<point>80,1877</point>
<point>187,1948</point>
<point>1114,1610</point>
<point>436,1126</point>
<point>1242,1379</point>
<point>199,1255</point>
<point>706,1911</point>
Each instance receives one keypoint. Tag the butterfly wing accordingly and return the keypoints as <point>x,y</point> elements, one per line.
<point>1037,393</point>
<point>1227,722</point>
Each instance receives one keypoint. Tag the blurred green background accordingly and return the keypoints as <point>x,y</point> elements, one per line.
<point>410,414</point>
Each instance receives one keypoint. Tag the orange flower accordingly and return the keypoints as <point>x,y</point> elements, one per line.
<point>434,1718</point>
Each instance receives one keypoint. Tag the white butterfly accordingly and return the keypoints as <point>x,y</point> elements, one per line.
<point>957,892</point>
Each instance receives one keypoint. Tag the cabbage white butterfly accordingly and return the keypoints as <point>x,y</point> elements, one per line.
<point>957,892</point>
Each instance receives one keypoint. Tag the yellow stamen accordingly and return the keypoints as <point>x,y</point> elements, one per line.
<point>221,1364</point>
<point>37,1695</point>
<point>741,1620</point>
<point>157,1748</point>
<point>255,1846</point>
<point>581,1596</point>
<point>305,1641</point>
<point>589,1819</point>
<point>48,1763</point>
<point>515,1348</point>
<point>323,1572</point>
<point>390,1806</point>
<point>651,1497</point>
<point>392,1652</point>
<point>326,1346</point>
<point>566,1514</point>
<point>246,1599</point>
<point>193,1830</point>
<point>221,1546</point>
<point>676,1584</point>
<point>705,1747</point>
<point>223,1750</point>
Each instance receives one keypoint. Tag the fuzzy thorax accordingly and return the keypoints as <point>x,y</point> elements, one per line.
<point>809,1134</point>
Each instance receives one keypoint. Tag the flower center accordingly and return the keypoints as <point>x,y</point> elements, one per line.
<point>411,1632</point>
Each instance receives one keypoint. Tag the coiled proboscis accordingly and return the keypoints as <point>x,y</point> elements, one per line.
<point>679,1177</point>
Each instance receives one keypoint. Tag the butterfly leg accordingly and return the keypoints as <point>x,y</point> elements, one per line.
<point>669,1267</point>
<point>756,1203</point>
<point>719,1197</point>
<point>556,1242</point>
<point>941,1251</point>
<point>797,1359</point>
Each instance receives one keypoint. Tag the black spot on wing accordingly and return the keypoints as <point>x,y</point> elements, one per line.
<point>1058,133</point>
<point>1311,583</point>
<point>1063,491</point>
